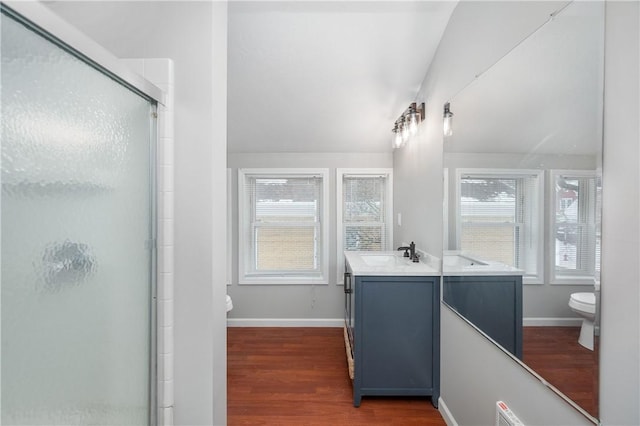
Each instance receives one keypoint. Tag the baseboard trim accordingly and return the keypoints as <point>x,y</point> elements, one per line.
<point>552,322</point>
<point>285,322</point>
<point>339,322</point>
<point>445,413</point>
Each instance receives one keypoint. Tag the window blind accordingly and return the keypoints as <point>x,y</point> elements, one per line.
<point>576,249</point>
<point>364,218</point>
<point>285,221</point>
<point>499,219</point>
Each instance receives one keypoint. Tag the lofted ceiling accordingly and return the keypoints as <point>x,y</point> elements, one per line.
<point>328,76</point>
<point>543,97</point>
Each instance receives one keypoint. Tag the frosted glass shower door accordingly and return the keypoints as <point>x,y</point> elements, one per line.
<point>77,226</point>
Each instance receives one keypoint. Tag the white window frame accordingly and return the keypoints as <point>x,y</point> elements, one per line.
<point>364,172</point>
<point>244,225</point>
<point>445,208</point>
<point>570,278</point>
<point>229,226</point>
<point>538,237</point>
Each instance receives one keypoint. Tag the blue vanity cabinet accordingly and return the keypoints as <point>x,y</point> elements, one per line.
<point>491,303</point>
<point>396,336</point>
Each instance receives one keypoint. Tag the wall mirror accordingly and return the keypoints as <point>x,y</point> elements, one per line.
<point>522,195</point>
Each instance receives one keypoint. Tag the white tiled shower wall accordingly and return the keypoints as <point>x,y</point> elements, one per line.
<point>160,73</point>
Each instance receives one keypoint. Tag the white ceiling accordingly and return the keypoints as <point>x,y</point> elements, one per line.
<point>328,76</point>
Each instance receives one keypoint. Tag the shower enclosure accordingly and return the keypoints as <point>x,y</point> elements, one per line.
<point>78,237</point>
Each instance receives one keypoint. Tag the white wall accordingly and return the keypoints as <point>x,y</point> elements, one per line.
<point>218,217</point>
<point>619,350</point>
<point>475,374</point>
<point>305,303</point>
<point>193,34</point>
<point>417,186</point>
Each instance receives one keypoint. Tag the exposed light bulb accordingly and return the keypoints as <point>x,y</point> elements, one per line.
<point>396,142</point>
<point>447,129</point>
<point>405,132</point>
<point>447,123</point>
<point>413,121</point>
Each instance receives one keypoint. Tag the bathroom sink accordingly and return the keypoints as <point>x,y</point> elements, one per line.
<point>460,260</point>
<point>459,263</point>
<point>379,259</point>
<point>390,263</point>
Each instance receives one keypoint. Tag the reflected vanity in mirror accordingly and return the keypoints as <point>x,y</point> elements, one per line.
<point>522,195</point>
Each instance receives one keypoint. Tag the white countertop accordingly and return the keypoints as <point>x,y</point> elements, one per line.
<point>475,265</point>
<point>390,263</point>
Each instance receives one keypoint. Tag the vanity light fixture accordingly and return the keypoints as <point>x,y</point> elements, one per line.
<point>407,124</point>
<point>447,120</point>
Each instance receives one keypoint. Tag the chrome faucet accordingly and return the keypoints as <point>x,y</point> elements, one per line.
<point>410,252</point>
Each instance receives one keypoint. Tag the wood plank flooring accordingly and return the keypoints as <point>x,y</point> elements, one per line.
<point>555,354</point>
<point>298,376</point>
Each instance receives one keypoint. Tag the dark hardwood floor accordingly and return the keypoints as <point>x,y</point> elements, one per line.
<point>298,376</point>
<point>555,354</point>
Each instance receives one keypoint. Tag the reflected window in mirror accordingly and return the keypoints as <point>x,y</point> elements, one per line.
<point>574,227</point>
<point>500,217</point>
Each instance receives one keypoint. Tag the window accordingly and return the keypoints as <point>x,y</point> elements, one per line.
<point>575,247</point>
<point>499,217</point>
<point>364,209</point>
<point>283,233</point>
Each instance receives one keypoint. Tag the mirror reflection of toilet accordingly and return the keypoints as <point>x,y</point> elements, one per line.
<point>584,304</point>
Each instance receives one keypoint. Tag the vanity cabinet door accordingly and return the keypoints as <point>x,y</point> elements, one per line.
<point>397,336</point>
<point>492,303</point>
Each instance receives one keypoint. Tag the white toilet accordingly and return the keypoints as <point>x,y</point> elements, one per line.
<point>229,303</point>
<point>584,304</point>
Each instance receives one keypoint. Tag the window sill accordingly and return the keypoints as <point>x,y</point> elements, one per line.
<point>532,280</point>
<point>577,280</point>
<point>279,280</point>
